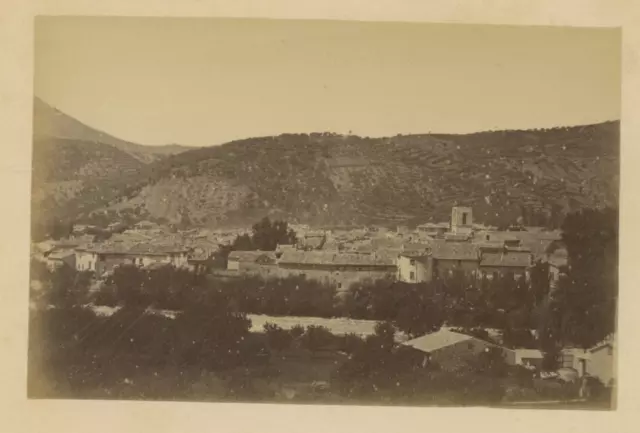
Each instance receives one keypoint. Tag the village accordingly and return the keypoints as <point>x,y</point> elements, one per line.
<point>338,256</point>
<point>341,258</point>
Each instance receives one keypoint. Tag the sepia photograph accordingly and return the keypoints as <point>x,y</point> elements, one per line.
<point>324,212</point>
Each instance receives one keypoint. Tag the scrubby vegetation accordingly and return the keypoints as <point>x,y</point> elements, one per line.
<point>326,178</point>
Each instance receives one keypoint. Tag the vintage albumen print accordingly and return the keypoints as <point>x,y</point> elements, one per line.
<point>324,212</point>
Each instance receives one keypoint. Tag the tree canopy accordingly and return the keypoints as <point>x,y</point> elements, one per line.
<point>582,311</point>
<point>266,236</point>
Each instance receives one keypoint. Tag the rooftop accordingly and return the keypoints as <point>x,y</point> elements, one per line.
<point>434,226</point>
<point>443,250</point>
<point>133,249</point>
<point>514,259</point>
<point>251,256</point>
<point>457,236</point>
<point>490,245</point>
<point>529,353</point>
<point>59,255</point>
<point>333,258</point>
<point>437,340</point>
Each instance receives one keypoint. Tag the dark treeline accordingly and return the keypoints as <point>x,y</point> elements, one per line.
<point>459,300</point>
<point>72,349</point>
<point>174,289</point>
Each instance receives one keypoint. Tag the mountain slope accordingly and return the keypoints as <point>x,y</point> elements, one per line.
<point>74,163</point>
<point>331,179</point>
<point>49,122</point>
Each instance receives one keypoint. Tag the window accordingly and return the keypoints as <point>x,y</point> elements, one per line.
<point>464,219</point>
<point>610,351</point>
<point>339,285</point>
<point>412,275</point>
<point>412,262</point>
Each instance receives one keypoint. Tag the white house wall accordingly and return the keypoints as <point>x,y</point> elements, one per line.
<point>420,267</point>
<point>601,365</point>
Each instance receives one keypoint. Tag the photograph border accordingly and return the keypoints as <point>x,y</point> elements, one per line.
<point>16,39</point>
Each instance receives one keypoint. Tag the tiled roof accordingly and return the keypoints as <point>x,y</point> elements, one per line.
<point>437,340</point>
<point>609,341</point>
<point>490,245</point>
<point>59,255</point>
<point>434,226</point>
<point>415,250</point>
<point>509,259</point>
<point>362,248</point>
<point>250,256</point>
<point>528,353</point>
<point>457,236</point>
<point>415,246</point>
<point>133,249</point>
<point>443,250</point>
<point>387,244</point>
<point>332,258</point>
<point>68,243</point>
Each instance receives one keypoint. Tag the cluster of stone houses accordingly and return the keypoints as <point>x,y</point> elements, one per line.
<point>434,252</point>
<point>338,269</point>
<point>104,257</point>
<point>442,257</point>
<point>484,253</point>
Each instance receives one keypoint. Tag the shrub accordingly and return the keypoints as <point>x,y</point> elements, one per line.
<point>297,331</point>
<point>106,296</point>
<point>316,338</point>
<point>278,339</point>
<point>349,343</point>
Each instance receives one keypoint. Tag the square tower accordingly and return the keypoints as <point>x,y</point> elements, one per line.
<point>461,220</point>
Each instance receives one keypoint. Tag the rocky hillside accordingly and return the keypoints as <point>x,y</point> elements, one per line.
<point>324,178</point>
<point>329,179</point>
<point>73,162</point>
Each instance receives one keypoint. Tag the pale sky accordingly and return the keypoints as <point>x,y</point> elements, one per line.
<point>209,81</point>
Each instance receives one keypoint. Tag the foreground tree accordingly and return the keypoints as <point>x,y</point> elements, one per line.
<point>582,311</point>
<point>421,311</point>
<point>266,236</point>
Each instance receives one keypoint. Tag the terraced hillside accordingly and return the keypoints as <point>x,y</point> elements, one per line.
<point>332,179</point>
<point>63,169</point>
